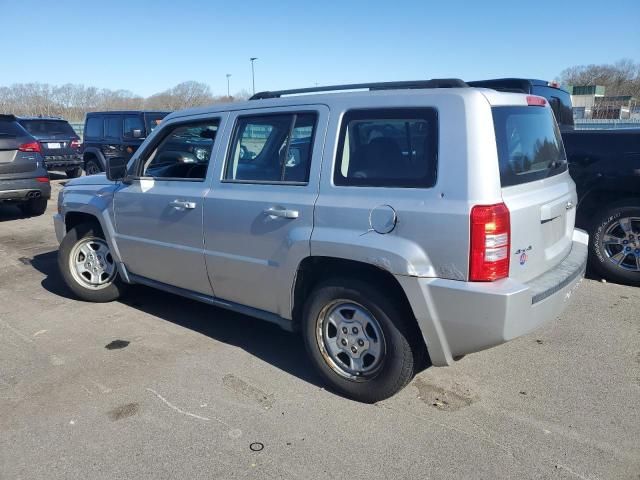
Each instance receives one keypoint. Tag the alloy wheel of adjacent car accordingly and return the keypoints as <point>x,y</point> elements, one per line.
<point>615,243</point>
<point>621,243</point>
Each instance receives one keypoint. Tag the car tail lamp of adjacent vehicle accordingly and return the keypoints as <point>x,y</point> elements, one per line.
<point>42,179</point>
<point>30,147</point>
<point>535,101</point>
<point>75,144</point>
<point>490,240</point>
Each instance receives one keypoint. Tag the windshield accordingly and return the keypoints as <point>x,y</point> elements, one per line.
<point>47,128</point>
<point>152,120</point>
<point>529,144</point>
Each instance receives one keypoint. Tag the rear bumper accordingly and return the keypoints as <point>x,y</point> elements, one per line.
<point>457,318</point>
<point>63,161</point>
<point>23,189</point>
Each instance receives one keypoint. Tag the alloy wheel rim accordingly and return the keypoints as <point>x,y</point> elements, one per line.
<point>350,340</point>
<point>92,264</point>
<point>621,243</point>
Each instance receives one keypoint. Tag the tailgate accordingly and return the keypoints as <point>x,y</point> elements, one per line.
<point>536,188</point>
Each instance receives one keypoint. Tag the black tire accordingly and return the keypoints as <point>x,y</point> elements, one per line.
<point>92,166</point>
<point>34,207</point>
<point>403,353</point>
<point>107,293</point>
<point>601,256</point>
<point>74,172</point>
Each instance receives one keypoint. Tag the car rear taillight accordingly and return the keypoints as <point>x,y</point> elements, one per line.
<point>30,147</point>
<point>42,179</point>
<point>75,143</point>
<point>490,241</point>
<point>535,101</point>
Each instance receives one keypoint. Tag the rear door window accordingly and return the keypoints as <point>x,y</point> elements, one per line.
<point>388,148</point>
<point>529,144</point>
<point>95,127</point>
<point>113,127</point>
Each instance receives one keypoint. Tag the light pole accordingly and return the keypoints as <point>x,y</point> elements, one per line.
<point>228,75</point>
<point>253,74</point>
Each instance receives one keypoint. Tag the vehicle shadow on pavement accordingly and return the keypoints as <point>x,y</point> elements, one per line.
<point>10,212</point>
<point>283,350</point>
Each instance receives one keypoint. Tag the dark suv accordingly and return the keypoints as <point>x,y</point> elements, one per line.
<point>23,178</point>
<point>115,134</point>
<point>59,142</point>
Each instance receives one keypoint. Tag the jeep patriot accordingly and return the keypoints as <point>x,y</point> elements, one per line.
<point>392,224</point>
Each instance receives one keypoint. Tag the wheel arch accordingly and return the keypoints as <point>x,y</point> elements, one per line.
<point>314,269</point>
<point>602,198</point>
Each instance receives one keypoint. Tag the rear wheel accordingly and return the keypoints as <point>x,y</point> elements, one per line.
<point>74,172</point>
<point>34,207</point>
<point>615,242</point>
<point>87,265</point>
<point>92,166</point>
<point>359,340</point>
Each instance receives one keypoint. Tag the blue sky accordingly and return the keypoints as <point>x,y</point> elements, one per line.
<point>147,46</point>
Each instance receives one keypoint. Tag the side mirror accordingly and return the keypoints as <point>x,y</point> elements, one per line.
<point>137,133</point>
<point>116,168</point>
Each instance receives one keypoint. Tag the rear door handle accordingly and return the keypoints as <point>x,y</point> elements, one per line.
<point>182,205</point>
<point>281,212</point>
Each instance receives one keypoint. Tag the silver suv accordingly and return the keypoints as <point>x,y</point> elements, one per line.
<point>409,223</point>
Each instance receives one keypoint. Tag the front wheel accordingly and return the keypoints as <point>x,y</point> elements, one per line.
<point>92,167</point>
<point>615,243</point>
<point>74,172</point>
<point>359,340</point>
<point>87,265</point>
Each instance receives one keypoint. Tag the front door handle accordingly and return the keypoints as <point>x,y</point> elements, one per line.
<point>281,212</point>
<point>182,205</point>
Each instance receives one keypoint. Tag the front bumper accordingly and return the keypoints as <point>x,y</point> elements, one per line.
<point>63,161</point>
<point>457,318</point>
<point>21,188</point>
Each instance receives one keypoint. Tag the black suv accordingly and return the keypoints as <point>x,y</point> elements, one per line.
<point>59,141</point>
<point>23,179</point>
<point>115,134</point>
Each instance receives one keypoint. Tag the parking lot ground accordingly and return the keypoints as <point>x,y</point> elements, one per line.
<point>157,386</point>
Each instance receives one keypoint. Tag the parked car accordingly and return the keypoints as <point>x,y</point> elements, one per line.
<point>605,164</point>
<point>59,142</point>
<point>109,134</point>
<point>23,178</point>
<point>385,225</point>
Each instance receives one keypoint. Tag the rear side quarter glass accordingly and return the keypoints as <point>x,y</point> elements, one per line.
<point>529,144</point>
<point>390,147</point>
<point>94,128</point>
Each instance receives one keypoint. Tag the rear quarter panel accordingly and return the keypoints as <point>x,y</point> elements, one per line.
<point>431,238</point>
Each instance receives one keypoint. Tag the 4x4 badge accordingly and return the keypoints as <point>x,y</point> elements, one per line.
<point>523,254</point>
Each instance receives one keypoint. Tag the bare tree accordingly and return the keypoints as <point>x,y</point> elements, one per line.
<point>72,101</point>
<point>620,78</point>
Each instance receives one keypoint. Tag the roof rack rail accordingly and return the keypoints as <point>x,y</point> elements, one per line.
<point>411,84</point>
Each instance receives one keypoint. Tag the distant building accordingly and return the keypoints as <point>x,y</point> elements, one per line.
<point>590,102</point>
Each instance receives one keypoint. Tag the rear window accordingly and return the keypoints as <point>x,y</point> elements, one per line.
<point>529,144</point>
<point>394,147</point>
<point>46,128</point>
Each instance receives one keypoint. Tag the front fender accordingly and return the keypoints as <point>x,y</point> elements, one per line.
<point>97,201</point>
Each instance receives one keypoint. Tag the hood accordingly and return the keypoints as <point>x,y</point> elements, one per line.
<point>99,179</point>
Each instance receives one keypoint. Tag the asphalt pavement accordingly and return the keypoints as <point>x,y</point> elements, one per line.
<point>157,386</point>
